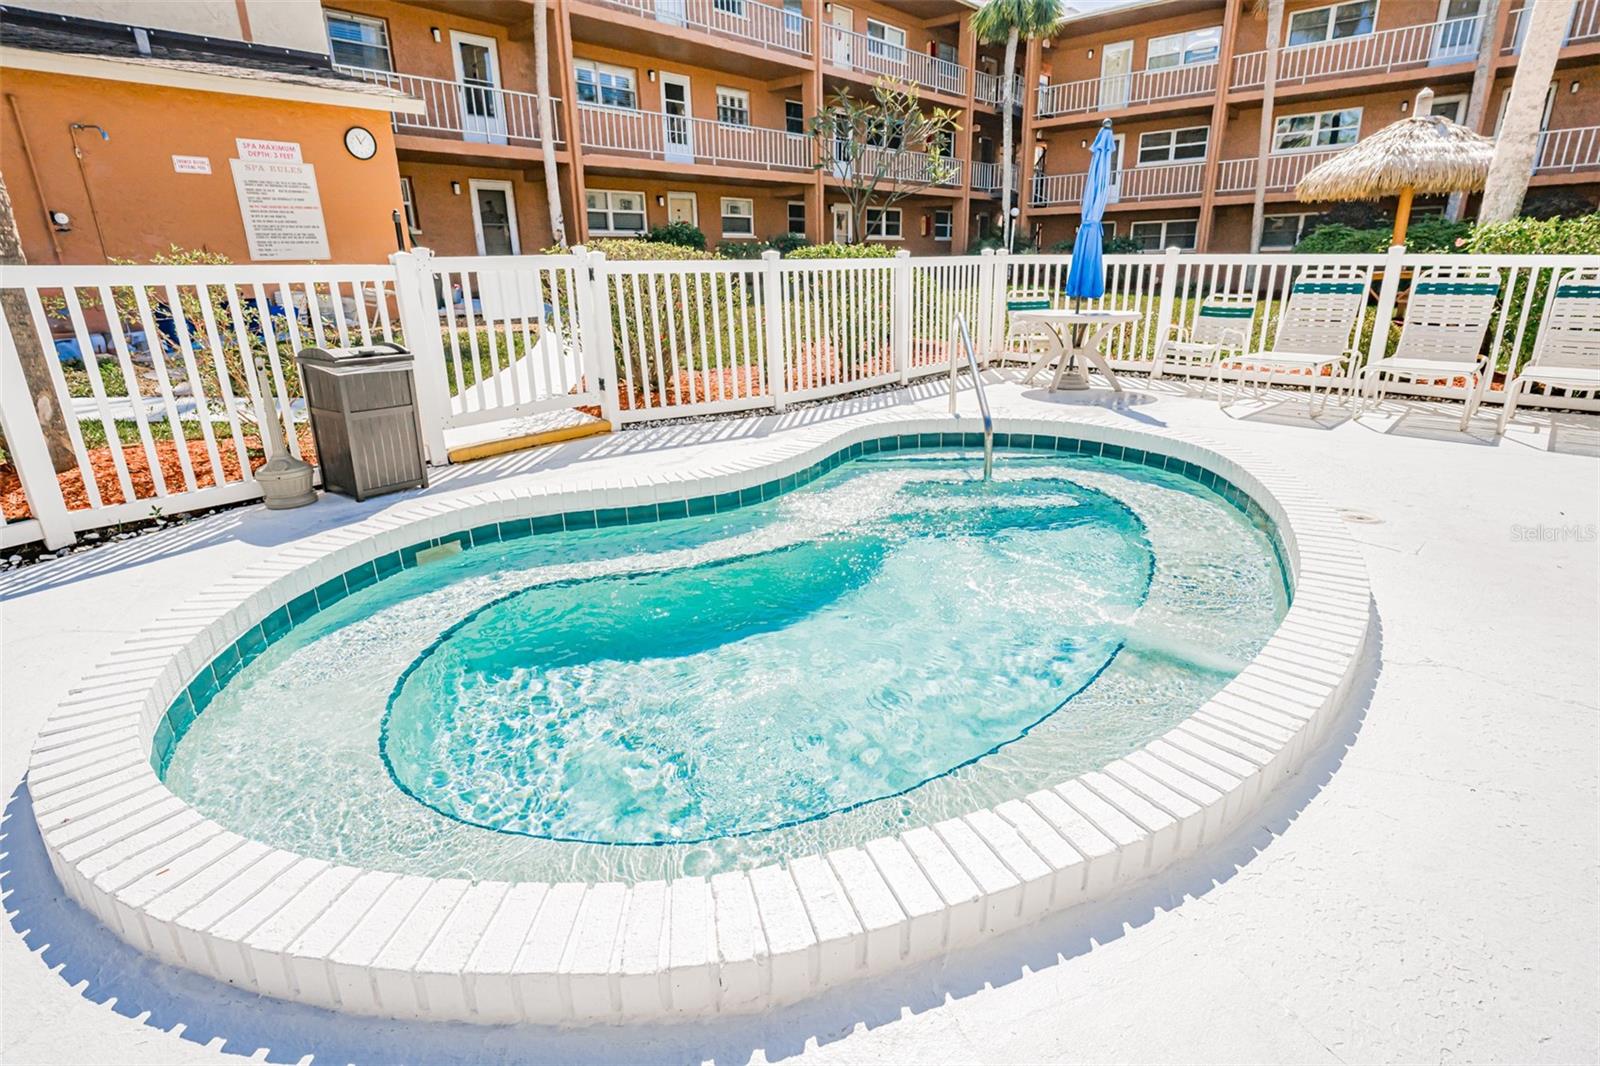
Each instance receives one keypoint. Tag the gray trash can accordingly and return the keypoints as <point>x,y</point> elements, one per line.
<point>363,405</point>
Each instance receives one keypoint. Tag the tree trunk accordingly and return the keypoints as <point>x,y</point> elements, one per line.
<point>1518,140</point>
<point>547,118</point>
<point>1269,87</point>
<point>1482,86</point>
<point>35,368</point>
<point>1006,94</point>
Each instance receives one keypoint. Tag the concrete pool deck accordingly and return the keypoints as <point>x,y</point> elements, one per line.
<point>1467,781</point>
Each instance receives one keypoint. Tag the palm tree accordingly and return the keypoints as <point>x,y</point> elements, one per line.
<point>1012,21</point>
<point>1518,140</point>
<point>1482,85</point>
<point>1273,10</point>
<point>547,118</point>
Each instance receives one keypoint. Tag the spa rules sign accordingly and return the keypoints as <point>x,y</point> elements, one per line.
<point>279,202</point>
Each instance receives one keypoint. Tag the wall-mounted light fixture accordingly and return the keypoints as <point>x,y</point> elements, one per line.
<point>1405,105</point>
<point>650,74</point>
<point>661,201</point>
<point>1574,89</point>
<point>437,36</point>
<point>1091,53</point>
<point>455,187</point>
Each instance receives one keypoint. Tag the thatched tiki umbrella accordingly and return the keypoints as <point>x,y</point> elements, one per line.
<point>1422,154</point>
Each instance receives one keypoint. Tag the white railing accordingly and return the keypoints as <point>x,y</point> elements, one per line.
<point>747,21</point>
<point>1583,29</point>
<point>1405,47</point>
<point>673,138</point>
<point>988,87</point>
<point>897,165</point>
<point>1567,151</point>
<point>856,51</point>
<point>1171,181</point>
<point>110,364</point>
<point>469,112</point>
<point>1127,90</point>
<point>1283,171</point>
<point>986,178</point>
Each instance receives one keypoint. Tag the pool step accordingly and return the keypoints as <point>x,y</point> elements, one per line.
<point>500,438</point>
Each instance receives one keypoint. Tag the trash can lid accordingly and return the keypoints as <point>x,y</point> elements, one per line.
<point>364,355</point>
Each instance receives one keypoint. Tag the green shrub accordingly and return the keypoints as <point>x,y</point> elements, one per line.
<point>1557,202</point>
<point>1534,236</point>
<point>740,250</point>
<point>843,251</point>
<point>681,234</point>
<point>636,249</point>
<point>788,243</point>
<point>1020,245</point>
<point>1123,246</point>
<point>1336,238</point>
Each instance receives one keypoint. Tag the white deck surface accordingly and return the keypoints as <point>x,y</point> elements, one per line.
<point>1429,891</point>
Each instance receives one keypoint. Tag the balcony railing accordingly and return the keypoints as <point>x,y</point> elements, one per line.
<point>744,20</point>
<point>896,165</point>
<point>1584,28</point>
<point>463,111</point>
<point>1568,151</point>
<point>1283,171</point>
<point>986,178</point>
<point>856,51</point>
<point>1137,185</point>
<point>988,87</point>
<point>1127,90</point>
<point>676,139</point>
<point>1407,47</point>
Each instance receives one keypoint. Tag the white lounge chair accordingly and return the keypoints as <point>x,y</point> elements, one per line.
<point>1567,352</point>
<point>1447,317</point>
<point>1317,332</point>
<point>1221,326</point>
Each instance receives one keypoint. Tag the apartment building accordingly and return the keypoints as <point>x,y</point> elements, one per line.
<point>210,124</point>
<point>664,110</point>
<point>1182,81</point>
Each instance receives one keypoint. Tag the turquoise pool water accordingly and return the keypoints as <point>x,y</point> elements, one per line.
<point>893,643</point>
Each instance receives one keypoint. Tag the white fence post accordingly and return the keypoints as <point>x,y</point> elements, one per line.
<point>1002,294</point>
<point>419,319</point>
<point>772,327</point>
<point>1378,346</point>
<point>25,441</point>
<point>594,330</point>
<point>984,327</point>
<point>1164,306</point>
<point>900,315</point>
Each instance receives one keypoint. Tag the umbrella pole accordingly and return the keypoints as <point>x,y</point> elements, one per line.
<point>1402,216</point>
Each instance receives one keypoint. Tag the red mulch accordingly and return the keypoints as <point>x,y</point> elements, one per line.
<point>15,504</point>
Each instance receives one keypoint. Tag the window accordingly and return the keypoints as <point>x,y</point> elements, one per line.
<point>409,200</point>
<point>1173,146</point>
<point>729,7</point>
<point>733,107</point>
<point>943,224</point>
<point>1333,23</point>
<point>1156,236</point>
<point>1453,108</point>
<point>358,41</point>
<point>883,223</point>
<point>797,217</point>
<point>1325,129</point>
<point>1283,232</point>
<point>738,217</point>
<point>794,116</point>
<point>1184,49</point>
<point>602,83</point>
<point>794,19</point>
<point>885,41</point>
<point>615,212</point>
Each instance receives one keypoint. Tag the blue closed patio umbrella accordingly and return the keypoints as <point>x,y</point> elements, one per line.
<point>1086,276</point>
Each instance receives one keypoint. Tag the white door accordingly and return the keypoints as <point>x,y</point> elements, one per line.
<point>494,217</point>
<point>1456,39</point>
<point>842,224</point>
<point>1116,74</point>
<point>1114,186</point>
<point>483,112</point>
<point>672,11</point>
<point>844,24</point>
<point>677,133</point>
<point>683,207</point>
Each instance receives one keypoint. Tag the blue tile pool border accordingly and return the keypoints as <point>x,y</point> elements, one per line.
<point>203,687</point>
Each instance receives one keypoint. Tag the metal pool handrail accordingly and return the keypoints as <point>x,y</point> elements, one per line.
<point>962,338</point>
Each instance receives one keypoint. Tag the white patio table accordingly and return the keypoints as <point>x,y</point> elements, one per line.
<point>1072,372</point>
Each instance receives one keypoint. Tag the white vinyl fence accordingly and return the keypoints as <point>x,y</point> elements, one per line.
<point>128,391</point>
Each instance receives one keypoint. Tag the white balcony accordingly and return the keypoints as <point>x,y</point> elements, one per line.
<point>1568,151</point>
<point>1127,90</point>
<point>1583,29</point>
<point>674,139</point>
<point>748,21</point>
<point>462,111</point>
<point>1173,181</point>
<point>1428,44</point>
<point>1284,171</point>
<point>869,55</point>
<point>988,87</point>
<point>896,165</point>
<point>986,178</point>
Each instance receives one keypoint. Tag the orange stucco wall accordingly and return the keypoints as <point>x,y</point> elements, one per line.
<point>144,206</point>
